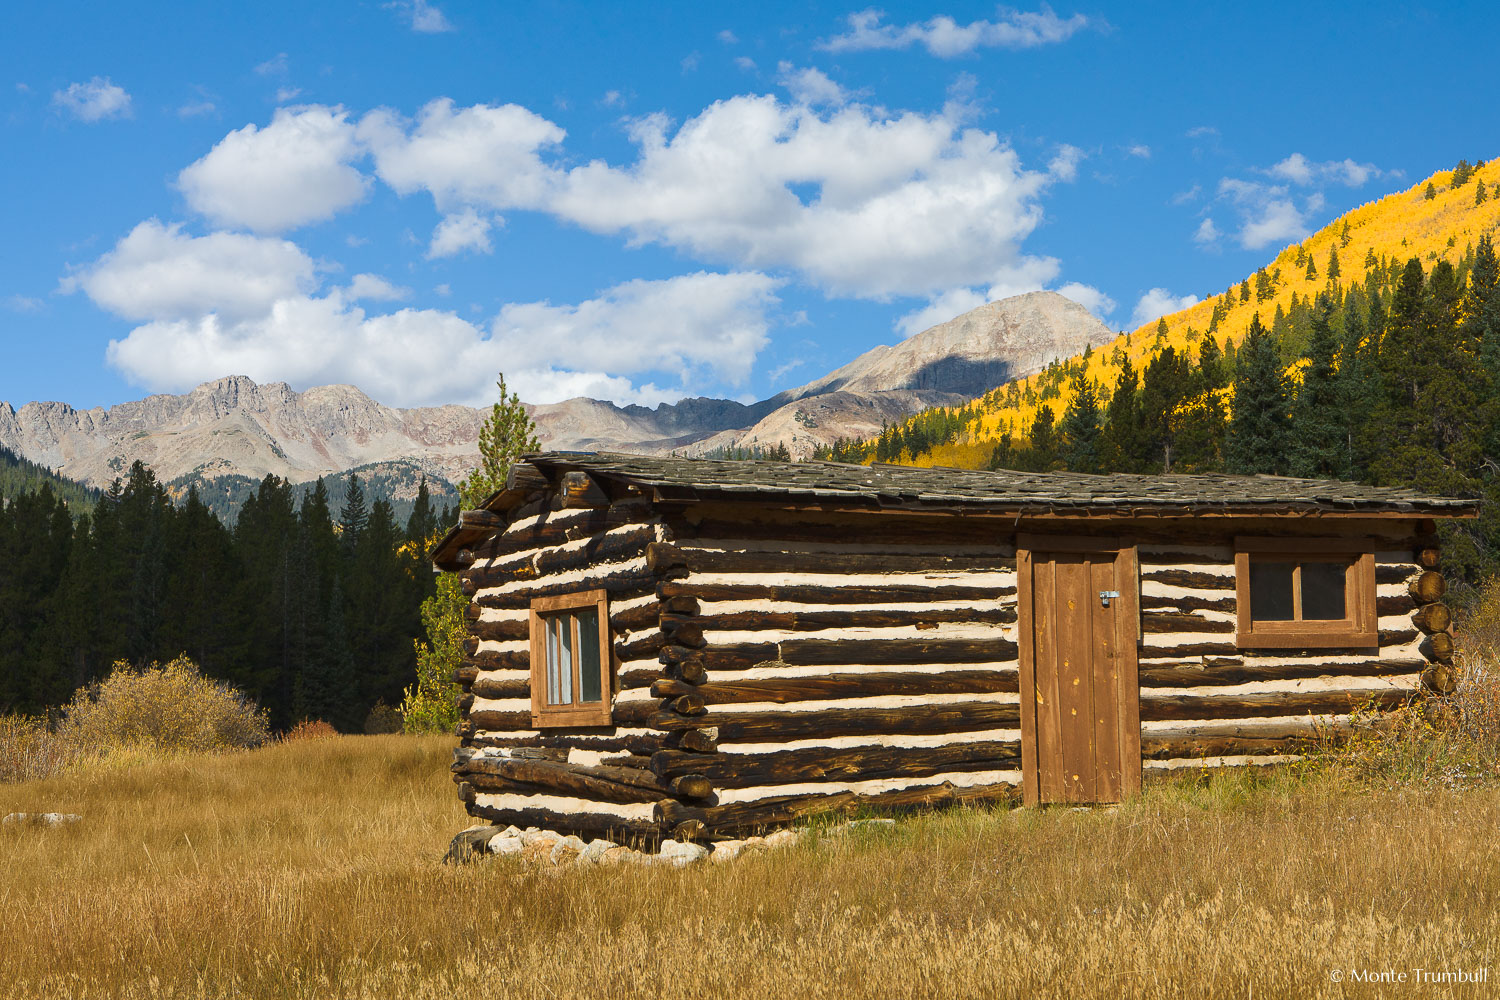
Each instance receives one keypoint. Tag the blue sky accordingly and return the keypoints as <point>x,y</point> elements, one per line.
<point>642,202</point>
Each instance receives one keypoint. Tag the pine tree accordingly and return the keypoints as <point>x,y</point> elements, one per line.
<point>1344,236</point>
<point>422,525</point>
<point>1480,194</point>
<point>1461,174</point>
<point>1317,438</point>
<point>1258,431</point>
<point>1263,290</point>
<point>1080,427</point>
<point>1121,446</point>
<point>1168,382</point>
<point>507,434</point>
<point>1312,269</point>
<point>1429,192</point>
<point>1245,290</point>
<point>1370,260</point>
<point>1333,265</point>
<point>354,517</point>
<point>432,700</point>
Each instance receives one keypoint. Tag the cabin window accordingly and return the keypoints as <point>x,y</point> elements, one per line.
<point>1305,593</point>
<point>572,674</point>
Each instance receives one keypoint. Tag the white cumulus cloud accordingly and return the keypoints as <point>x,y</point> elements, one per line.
<point>856,201</point>
<point>422,16</point>
<point>94,101</point>
<point>235,303</point>
<point>484,155</point>
<point>296,170</point>
<point>809,85</point>
<point>1206,232</point>
<point>1089,297</point>
<point>1159,302</point>
<point>460,232</point>
<point>1303,172</point>
<point>159,272</point>
<point>944,37</point>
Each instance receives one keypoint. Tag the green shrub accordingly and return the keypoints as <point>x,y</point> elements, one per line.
<point>431,705</point>
<point>383,719</point>
<point>164,707</point>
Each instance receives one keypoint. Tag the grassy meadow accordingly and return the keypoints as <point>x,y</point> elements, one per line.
<point>310,869</point>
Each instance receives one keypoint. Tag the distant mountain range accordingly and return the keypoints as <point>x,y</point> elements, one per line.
<point>233,429</point>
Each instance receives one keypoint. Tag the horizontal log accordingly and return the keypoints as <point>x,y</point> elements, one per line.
<point>1429,558</point>
<point>688,671</point>
<point>1188,578</point>
<point>499,721</point>
<point>684,631</point>
<point>1438,647</point>
<point>784,690</point>
<point>582,824</point>
<point>951,717</point>
<point>611,579</point>
<point>1433,618</point>
<point>700,741</point>
<point>941,590</point>
<point>738,817</point>
<point>869,529</point>
<point>1188,602</point>
<point>680,606</point>
<point>598,740</point>
<point>489,687</point>
<point>725,657</point>
<point>490,659</point>
<point>759,561</point>
<point>1393,572</point>
<point>1429,587</point>
<point>1227,647</point>
<point>664,557</point>
<point>557,529</point>
<point>688,704</point>
<point>1440,678</point>
<point>465,674</point>
<point>818,652</point>
<point>482,519</point>
<point>606,784</point>
<point>623,544</point>
<point>633,713</point>
<point>1270,703</point>
<point>1157,622</point>
<point>691,786</point>
<point>749,621</point>
<point>1395,604</point>
<point>580,490</point>
<point>1198,674</point>
<point>783,767</point>
<point>1168,748</point>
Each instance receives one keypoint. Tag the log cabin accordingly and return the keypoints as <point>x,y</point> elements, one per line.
<point>674,647</point>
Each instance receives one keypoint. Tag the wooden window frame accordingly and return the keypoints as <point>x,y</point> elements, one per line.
<point>544,715</point>
<point>1358,628</point>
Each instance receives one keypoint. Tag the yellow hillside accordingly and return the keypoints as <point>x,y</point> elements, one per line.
<point>1397,226</point>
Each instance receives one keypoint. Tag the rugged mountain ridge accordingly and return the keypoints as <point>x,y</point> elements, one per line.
<point>234,426</point>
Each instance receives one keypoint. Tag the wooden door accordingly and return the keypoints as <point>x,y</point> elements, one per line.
<point>1080,697</point>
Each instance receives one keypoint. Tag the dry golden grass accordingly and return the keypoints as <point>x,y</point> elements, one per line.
<point>309,869</point>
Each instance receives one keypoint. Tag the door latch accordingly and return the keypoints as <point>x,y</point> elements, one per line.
<point>1105,595</point>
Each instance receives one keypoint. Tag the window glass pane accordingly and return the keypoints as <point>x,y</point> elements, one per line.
<point>554,662</point>
<point>1271,591</point>
<point>1323,591</point>
<point>588,655</point>
<point>565,660</point>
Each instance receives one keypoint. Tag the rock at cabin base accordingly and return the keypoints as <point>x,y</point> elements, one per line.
<point>727,850</point>
<point>540,848</point>
<point>566,850</point>
<point>506,845</point>
<point>782,838</point>
<point>469,844</point>
<point>596,850</point>
<point>619,856</point>
<point>681,853</point>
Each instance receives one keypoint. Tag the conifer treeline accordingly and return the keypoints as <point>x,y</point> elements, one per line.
<point>311,613</point>
<point>1391,380</point>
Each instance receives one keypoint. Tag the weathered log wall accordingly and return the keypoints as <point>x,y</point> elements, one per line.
<point>774,663</point>
<point>1206,702</point>
<point>509,772</point>
<point>838,662</point>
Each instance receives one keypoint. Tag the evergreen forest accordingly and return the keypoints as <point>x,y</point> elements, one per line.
<point>309,608</point>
